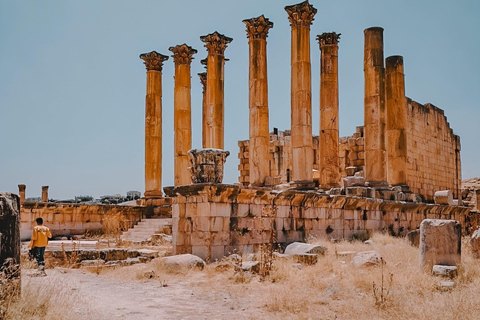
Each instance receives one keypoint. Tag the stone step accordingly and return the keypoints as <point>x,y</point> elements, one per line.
<point>145,228</point>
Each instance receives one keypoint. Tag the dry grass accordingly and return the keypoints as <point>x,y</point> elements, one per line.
<point>113,225</point>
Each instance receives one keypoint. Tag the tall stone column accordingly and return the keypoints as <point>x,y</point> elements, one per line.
<point>301,17</point>
<point>216,44</point>
<point>153,124</point>
<point>21,192</point>
<point>329,163</point>
<point>396,106</point>
<point>257,31</point>
<point>374,129</point>
<point>44,193</point>
<point>182,57</point>
<point>203,80</point>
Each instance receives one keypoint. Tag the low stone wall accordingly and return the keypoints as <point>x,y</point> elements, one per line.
<point>214,220</point>
<point>68,219</point>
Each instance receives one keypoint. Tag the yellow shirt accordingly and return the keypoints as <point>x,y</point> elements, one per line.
<point>40,236</point>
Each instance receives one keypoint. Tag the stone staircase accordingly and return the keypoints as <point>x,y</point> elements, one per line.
<point>147,228</point>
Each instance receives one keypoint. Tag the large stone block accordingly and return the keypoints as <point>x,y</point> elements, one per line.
<point>475,242</point>
<point>440,243</point>
<point>444,197</point>
<point>10,234</point>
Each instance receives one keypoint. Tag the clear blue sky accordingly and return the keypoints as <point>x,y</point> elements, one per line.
<point>72,87</point>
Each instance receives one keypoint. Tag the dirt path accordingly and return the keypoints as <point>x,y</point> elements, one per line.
<point>107,297</point>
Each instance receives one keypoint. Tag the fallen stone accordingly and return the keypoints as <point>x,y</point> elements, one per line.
<point>296,248</point>
<point>367,258</point>
<point>251,257</point>
<point>235,257</point>
<point>130,261</point>
<point>440,243</point>
<point>346,254</point>
<point>413,237</point>
<point>281,255</point>
<point>252,266</point>
<point>353,181</point>
<point>445,271</point>
<point>350,171</point>
<point>446,285</point>
<point>92,262</point>
<point>444,197</point>
<point>306,258</point>
<point>184,261</point>
<point>298,266</point>
<point>369,242</point>
<point>475,243</point>
<point>152,254</point>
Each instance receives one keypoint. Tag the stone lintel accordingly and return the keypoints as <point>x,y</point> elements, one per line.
<point>328,39</point>
<point>301,14</point>
<point>182,54</point>
<point>257,28</point>
<point>153,60</point>
<point>216,43</point>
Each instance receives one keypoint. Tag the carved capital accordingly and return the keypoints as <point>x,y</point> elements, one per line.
<point>21,187</point>
<point>203,79</point>
<point>257,28</point>
<point>301,14</point>
<point>216,43</point>
<point>153,60</point>
<point>182,54</point>
<point>203,62</point>
<point>328,38</point>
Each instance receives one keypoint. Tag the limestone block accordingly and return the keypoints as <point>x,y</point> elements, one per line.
<point>413,237</point>
<point>336,192</point>
<point>444,197</point>
<point>475,242</point>
<point>217,252</point>
<point>296,248</point>
<point>367,258</point>
<point>357,192</point>
<point>440,243</point>
<point>350,171</point>
<point>184,261</point>
<point>353,182</point>
<point>445,271</point>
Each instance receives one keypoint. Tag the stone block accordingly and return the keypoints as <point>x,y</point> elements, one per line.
<point>204,209</point>
<point>440,243</point>
<point>445,271</point>
<point>221,209</point>
<point>353,182</point>
<point>475,243</point>
<point>413,237</point>
<point>357,192</point>
<point>217,252</point>
<point>350,171</point>
<point>444,197</point>
<point>201,224</point>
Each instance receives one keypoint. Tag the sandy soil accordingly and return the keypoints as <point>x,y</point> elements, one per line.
<point>107,296</point>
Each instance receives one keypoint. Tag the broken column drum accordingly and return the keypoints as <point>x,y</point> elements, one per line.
<point>182,57</point>
<point>207,165</point>
<point>374,129</point>
<point>257,31</point>
<point>21,192</point>
<point>301,17</point>
<point>216,44</point>
<point>153,124</point>
<point>44,193</point>
<point>329,165</point>
<point>396,111</point>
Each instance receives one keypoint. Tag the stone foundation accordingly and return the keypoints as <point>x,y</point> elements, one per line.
<point>214,220</point>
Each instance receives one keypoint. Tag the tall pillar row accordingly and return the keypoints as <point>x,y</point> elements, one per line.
<point>329,165</point>
<point>257,32</point>
<point>182,57</point>
<point>374,128</point>
<point>216,44</point>
<point>153,124</point>
<point>396,124</point>
<point>301,17</point>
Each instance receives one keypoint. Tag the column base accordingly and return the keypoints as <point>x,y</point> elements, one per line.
<point>154,194</point>
<point>302,185</point>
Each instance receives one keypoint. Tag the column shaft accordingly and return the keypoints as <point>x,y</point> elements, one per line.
<point>21,192</point>
<point>257,30</point>
<point>396,106</point>
<point>374,130</point>
<point>44,193</point>
<point>203,80</point>
<point>329,160</point>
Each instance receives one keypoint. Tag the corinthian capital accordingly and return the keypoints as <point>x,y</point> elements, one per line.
<point>257,28</point>
<point>203,79</point>
<point>153,60</point>
<point>328,38</point>
<point>182,54</point>
<point>216,43</point>
<point>301,14</point>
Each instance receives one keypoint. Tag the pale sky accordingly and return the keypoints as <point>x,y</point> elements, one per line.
<point>72,87</point>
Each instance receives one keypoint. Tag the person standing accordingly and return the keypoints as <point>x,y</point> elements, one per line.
<point>40,236</point>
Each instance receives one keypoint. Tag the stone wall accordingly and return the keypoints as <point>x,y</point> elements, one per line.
<point>69,219</point>
<point>214,220</point>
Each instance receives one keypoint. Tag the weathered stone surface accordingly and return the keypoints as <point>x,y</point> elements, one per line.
<point>10,234</point>
<point>298,248</point>
<point>413,237</point>
<point>444,197</point>
<point>350,171</point>
<point>253,266</point>
<point>207,165</point>
<point>367,258</point>
<point>184,261</point>
<point>96,262</point>
<point>475,242</point>
<point>353,181</point>
<point>440,243</point>
<point>445,271</point>
<point>306,258</point>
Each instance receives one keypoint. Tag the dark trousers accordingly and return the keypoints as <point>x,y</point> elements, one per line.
<point>38,253</point>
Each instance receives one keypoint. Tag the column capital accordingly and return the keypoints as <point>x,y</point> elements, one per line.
<point>301,14</point>
<point>328,38</point>
<point>22,187</point>
<point>182,54</point>
<point>257,28</point>
<point>203,79</point>
<point>153,60</point>
<point>203,62</point>
<point>216,43</point>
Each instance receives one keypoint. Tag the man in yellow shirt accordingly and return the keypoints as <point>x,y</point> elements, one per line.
<point>40,236</point>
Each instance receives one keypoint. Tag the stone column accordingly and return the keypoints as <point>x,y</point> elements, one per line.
<point>301,17</point>
<point>21,192</point>
<point>374,129</point>
<point>396,110</point>
<point>257,31</point>
<point>329,163</point>
<point>182,56</point>
<point>203,80</point>
<point>44,193</point>
<point>216,44</point>
<point>153,124</point>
